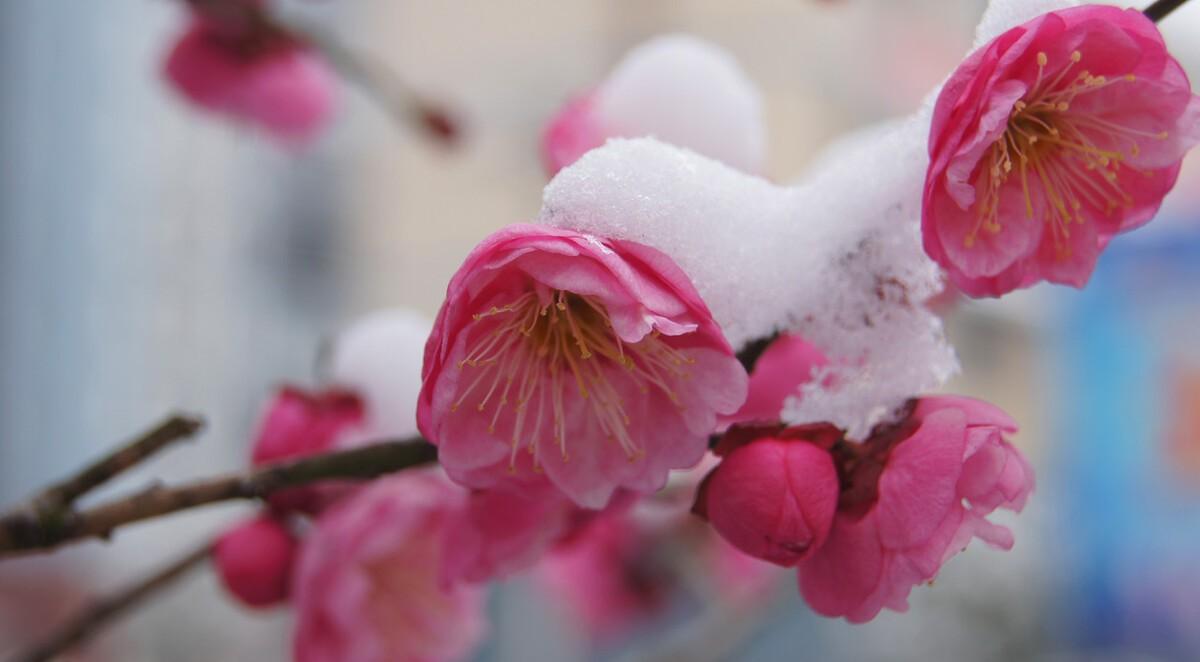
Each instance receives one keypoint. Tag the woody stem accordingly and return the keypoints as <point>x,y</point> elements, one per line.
<point>1160,9</point>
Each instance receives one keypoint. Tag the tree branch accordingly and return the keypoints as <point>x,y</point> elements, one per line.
<point>64,493</point>
<point>94,617</point>
<point>1160,9</point>
<point>386,87</point>
<point>25,531</point>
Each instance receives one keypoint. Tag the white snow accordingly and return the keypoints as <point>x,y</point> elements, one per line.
<point>686,91</point>
<point>835,258</point>
<point>379,356</point>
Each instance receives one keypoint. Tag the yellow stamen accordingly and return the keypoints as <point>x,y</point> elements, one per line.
<point>537,351</point>
<point>1075,156</point>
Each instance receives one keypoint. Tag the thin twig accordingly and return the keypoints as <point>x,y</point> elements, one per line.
<point>382,83</point>
<point>1159,10</point>
<point>97,615</point>
<point>23,533</point>
<point>64,493</point>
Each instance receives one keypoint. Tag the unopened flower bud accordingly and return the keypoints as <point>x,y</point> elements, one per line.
<point>773,499</point>
<point>254,560</point>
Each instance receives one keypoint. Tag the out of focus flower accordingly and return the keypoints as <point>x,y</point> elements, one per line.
<point>913,495</point>
<point>1048,141</point>
<point>253,72</point>
<point>772,497</point>
<point>254,561</point>
<point>676,88</point>
<point>623,569</point>
<point>298,422</point>
<point>609,575</point>
<point>740,579</point>
<point>502,531</point>
<point>561,356</point>
<point>368,587</point>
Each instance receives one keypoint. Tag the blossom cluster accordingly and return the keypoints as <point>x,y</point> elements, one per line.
<point>668,296</point>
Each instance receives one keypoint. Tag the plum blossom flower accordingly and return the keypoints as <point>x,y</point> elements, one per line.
<point>254,561</point>
<point>501,531</point>
<point>912,496</point>
<point>570,133</point>
<point>617,571</point>
<point>374,377</point>
<point>1047,142</point>
<point>680,89</point>
<point>865,522</point>
<point>773,497</point>
<point>253,72</point>
<point>367,586</point>
<point>788,363</point>
<point>560,356</point>
<point>608,576</point>
<point>297,422</point>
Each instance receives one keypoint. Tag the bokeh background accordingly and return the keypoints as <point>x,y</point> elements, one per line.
<point>152,258</point>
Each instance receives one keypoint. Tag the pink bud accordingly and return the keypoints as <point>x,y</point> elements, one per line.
<point>254,561</point>
<point>773,499</point>
<point>296,423</point>
<point>231,65</point>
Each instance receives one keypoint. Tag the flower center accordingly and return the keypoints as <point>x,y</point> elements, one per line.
<point>1075,155</point>
<point>543,353</point>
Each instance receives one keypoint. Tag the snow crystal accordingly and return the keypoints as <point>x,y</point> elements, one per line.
<point>686,91</point>
<point>379,357</point>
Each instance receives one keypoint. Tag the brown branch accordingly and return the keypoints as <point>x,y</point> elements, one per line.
<point>1160,9</point>
<point>24,531</point>
<point>64,493</point>
<point>386,87</point>
<point>96,616</point>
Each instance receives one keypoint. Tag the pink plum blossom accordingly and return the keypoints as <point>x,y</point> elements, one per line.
<point>254,561</point>
<point>298,422</point>
<point>571,133</point>
<point>500,532</point>
<point>912,496</point>
<point>618,570</point>
<point>254,73</point>
<point>1048,141</point>
<point>367,586</point>
<point>606,575</point>
<point>589,363</point>
<point>788,363</point>
<point>503,531</point>
<point>772,498</point>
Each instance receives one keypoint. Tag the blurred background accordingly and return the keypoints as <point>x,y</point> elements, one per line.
<point>153,258</point>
